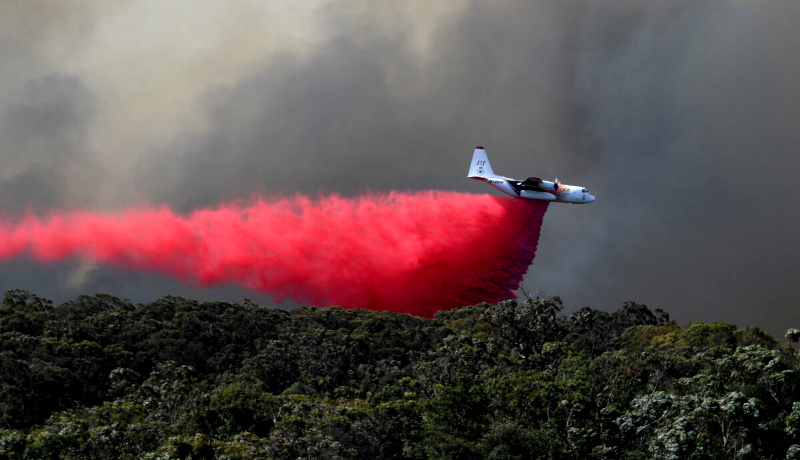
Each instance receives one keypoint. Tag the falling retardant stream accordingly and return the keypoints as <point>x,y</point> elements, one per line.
<point>414,252</point>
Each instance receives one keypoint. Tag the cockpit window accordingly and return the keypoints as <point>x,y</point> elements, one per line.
<point>584,190</point>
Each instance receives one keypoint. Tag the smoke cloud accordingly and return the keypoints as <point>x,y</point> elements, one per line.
<point>681,117</point>
<point>408,252</point>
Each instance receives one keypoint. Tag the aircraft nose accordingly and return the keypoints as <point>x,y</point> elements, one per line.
<point>591,198</point>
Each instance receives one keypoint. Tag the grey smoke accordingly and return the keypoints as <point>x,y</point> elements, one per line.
<point>681,116</point>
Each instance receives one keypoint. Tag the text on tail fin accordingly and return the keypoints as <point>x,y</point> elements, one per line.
<point>480,166</point>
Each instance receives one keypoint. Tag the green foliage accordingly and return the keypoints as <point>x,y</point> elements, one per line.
<point>793,334</point>
<point>238,407</point>
<point>529,327</point>
<point>98,377</point>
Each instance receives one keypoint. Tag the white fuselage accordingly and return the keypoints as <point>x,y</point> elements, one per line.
<point>564,193</point>
<point>532,188</point>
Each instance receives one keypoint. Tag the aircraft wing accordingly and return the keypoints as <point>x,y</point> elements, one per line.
<point>532,183</point>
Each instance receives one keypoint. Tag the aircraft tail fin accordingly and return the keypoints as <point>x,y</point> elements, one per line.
<point>480,167</point>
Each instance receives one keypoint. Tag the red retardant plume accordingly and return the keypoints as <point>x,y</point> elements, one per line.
<point>415,253</point>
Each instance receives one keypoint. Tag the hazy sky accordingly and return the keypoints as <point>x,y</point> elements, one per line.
<point>681,116</point>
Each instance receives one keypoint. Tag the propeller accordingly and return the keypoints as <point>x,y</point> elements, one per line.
<point>555,184</point>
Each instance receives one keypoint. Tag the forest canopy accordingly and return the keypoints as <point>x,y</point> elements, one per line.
<point>99,377</point>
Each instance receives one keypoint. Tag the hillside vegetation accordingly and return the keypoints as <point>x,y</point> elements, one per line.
<point>98,377</point>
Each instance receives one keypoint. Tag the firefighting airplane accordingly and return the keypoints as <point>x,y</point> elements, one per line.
<point>532,188</point>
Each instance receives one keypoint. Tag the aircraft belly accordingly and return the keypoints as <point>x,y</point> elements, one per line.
<point>543,196</point>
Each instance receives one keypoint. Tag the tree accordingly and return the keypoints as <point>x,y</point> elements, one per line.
<point>528,327</point>
<point>793,334</point>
